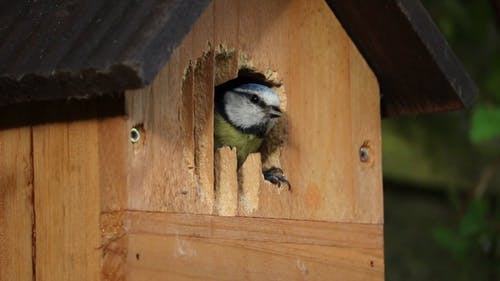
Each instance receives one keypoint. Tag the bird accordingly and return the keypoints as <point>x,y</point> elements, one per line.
<point>244,115</point>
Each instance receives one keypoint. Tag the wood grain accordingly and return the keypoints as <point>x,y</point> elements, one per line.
<point>194,247</point>
<point>67,200</point>
<point>332,108</point>
<point>16,204</point>
<point>204,127</point>
<point>249,183</point>
<point>162,170</point>
<point>226,64</point>
<point>226,182</point>
<point>87,175</point>
<point>112,148</point>
<point>367,236</point>
<point>367,201</point>
<point>114,246</point>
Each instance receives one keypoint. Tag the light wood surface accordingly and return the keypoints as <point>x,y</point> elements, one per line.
<point>67,203</point>
<point>113,139</point>
<point>367,180</point>
<point>226,182</point>
<point>249,181</point>
<point>368,236</point>
<point>204,129</point>
<point>114,246</point>
<point>16,204</point>
<point>200,247</point>
<point>332,108</point>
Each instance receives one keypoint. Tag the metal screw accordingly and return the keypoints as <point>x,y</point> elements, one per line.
<point>364,153</point>
<point>135,135</point>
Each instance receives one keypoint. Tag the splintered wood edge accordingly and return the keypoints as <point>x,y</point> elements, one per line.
<point>249,179</point>
<point>226,182</point>
<point>188,118</point>
<point>203,127</point>
<point>226,64</point>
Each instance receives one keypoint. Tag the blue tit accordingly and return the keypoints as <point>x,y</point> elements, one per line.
<point>244,115</point>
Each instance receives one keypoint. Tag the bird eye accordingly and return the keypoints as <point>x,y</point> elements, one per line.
<point>254,99</point>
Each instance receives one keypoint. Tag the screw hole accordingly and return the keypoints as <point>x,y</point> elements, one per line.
<point>364,152</point>
<point>135,135</point>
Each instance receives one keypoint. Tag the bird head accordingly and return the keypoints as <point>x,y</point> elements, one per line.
<point>252,107</point>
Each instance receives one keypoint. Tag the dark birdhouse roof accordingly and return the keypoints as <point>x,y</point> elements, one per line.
<point>417,71</point>
<point>62,49</point>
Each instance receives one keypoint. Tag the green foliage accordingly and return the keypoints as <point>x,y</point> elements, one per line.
<point>475,233</point>
<point>449,239</point>
<point>485,124</point>
<point>474,138</point>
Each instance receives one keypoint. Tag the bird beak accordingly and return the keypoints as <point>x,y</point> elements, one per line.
<point>274,112</point>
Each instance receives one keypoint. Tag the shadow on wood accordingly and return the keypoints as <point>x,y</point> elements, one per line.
<point>35,113</point>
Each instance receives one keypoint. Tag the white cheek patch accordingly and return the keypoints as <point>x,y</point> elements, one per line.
<point>241,112</point>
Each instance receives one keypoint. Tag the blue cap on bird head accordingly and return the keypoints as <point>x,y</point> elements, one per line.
<point>266,94</point>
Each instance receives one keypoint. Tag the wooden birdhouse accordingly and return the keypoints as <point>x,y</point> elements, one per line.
<point>107,162</point>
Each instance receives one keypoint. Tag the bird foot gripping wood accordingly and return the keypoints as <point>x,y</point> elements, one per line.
<point>275,176</point>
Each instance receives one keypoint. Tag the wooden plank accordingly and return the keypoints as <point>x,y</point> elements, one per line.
<point>114,246</point>
<point>112,148</point>
<point>367,201</point>
<point>249,182</point>
<point>177,258</point>
<point>187,119</point>
<point>161,171</point>
<point>67,203</point>
<point>226,32</point>
<point>226,182</point>
<point>204,126</point>
<point>16,203</point>
<point>187,247</point>
<point>325,113</point>
<point>368,236</point>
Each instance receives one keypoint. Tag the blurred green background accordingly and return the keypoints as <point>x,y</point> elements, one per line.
<point>442,171</point>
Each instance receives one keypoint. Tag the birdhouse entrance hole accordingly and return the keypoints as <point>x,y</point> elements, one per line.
<point>234,191</point>
<point>277,136</point>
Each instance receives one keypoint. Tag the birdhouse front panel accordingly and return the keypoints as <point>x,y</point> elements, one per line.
<point>328,137</point>
<point>195,213</point>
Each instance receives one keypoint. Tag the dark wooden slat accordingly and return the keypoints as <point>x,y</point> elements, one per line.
<point>416,69</point>
<point>60,49</point>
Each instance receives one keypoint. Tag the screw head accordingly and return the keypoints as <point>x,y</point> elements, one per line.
<point>364,153</point>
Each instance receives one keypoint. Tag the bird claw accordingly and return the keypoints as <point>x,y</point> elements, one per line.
<point>275,176</point>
